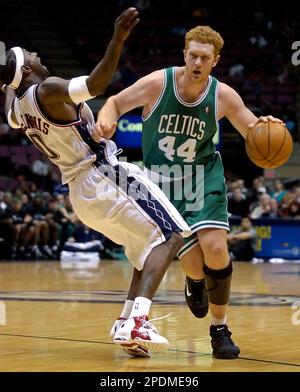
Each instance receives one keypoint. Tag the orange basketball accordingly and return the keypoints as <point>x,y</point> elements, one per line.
<point>269,145</point>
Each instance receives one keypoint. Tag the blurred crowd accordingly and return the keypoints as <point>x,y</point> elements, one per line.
<point>265,199</point>
<point>35,224</point>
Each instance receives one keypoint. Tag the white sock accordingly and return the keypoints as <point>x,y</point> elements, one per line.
<point>127,308</point>
<point>140,307</point>
<point>216,321</point>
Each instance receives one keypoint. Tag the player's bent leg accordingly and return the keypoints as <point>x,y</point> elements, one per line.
<point>194,289</point>
<point>131,349</point>
<point>137,328</point>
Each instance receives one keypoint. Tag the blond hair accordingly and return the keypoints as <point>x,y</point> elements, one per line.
<point>205,35</point>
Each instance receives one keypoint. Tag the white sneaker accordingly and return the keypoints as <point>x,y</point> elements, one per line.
<point>131,349</point>
<point>141,331</point>
<point>116,326</point>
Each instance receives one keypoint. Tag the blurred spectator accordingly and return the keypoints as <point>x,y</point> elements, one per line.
<point>237,70</point>
<point>237,204</point>
<point>266,208</point>
<point>85,245</point>
<point>241,184</point>
<point>294,210</point>
<point>257,190</point>
<point>242,240</point>
<point>258,41</point>
<point>40,169</point>
<point>279,191</point>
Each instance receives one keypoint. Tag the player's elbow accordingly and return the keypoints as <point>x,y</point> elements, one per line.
<point>96,88</point>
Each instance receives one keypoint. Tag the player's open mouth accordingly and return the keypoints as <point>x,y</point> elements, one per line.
<point>197,73</point>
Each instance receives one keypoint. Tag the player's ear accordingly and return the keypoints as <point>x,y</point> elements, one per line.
<point>26,69</point>
<point>216,60</point>
<point>184,54</point>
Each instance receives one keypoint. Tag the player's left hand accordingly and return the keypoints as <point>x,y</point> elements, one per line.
<point>102,130</point>
<point>265,119</point>
<point>125,23</point>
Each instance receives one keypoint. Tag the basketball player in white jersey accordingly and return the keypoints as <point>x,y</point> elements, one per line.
<point>110,197</point>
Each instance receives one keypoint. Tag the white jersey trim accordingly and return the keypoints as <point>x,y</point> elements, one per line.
<point>189,104</point>
<point>158,99</point>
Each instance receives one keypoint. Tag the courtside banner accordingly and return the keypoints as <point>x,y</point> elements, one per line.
<point>129,131</point>
<point>276,238</point>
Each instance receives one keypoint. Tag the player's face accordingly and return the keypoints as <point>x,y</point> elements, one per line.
<point>200,59</point>
<point>34,62</point>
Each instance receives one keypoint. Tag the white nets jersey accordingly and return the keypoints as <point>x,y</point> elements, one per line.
<point>69,146</point>
<point>111,197</point>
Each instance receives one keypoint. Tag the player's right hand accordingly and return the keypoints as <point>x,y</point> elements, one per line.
<point>125,23</point>
<point>102,130</point>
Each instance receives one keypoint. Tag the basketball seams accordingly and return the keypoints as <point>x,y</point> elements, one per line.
<point>252,145</point>
<point>275,160</point>
<point>282,144</point>
<point>252,132</point>
<point>269,139</point>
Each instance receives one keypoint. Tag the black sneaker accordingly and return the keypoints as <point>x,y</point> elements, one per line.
<point>196,297</point>
<point>222,344</point>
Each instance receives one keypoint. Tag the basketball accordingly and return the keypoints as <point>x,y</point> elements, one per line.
<point>269,145</point>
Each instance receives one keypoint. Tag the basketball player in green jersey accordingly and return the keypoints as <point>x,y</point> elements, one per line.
<point>181,107</point>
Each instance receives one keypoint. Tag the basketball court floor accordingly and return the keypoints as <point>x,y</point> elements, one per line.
<point>57,318</point>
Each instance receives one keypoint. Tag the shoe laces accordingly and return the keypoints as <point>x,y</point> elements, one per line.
<point>148,323</point>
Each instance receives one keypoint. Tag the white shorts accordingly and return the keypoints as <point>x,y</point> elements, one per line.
<point>120,202</point>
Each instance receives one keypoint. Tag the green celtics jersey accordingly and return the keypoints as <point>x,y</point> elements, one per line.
<point>177,132</point>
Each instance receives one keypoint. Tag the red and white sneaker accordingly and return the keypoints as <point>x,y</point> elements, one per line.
<point>141,331</point>
<point>131,349</point>
<point>116,326</point>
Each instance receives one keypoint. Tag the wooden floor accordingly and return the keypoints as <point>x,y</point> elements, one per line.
<point>58,319</point>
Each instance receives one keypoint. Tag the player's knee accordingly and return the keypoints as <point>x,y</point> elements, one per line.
<point>214,250</point>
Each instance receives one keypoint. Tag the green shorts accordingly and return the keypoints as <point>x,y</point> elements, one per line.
<point>203,204</point>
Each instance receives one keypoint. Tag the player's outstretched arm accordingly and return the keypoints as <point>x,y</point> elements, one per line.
<point>54,90</point>
<point>140,94</point>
